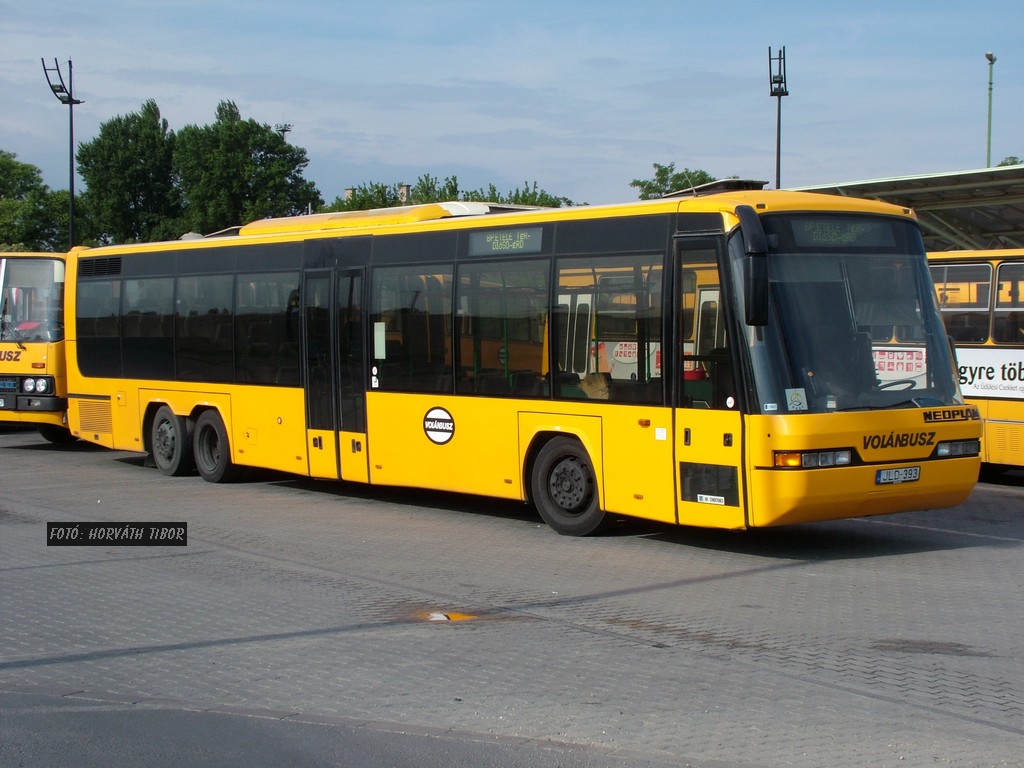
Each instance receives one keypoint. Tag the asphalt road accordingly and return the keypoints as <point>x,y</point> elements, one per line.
<point>326,624</point>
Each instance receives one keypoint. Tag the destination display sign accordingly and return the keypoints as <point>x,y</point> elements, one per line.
<point>506,241</point>
<point>842,233</point>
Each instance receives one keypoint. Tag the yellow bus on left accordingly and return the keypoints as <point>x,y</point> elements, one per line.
<point>33,377</point>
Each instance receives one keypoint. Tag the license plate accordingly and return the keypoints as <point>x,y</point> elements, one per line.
<point>900,475</point>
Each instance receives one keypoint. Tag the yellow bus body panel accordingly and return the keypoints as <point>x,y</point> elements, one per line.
<point>477,458</point>
<point>354,466</point>
<point>268,428</point>
<point>322,449</point>
<point>35,359</point>
<point>715,443</point>
<point>785,496</point>
<point>638,452</point>
<point>1004,431</point>
<point>265,426</point>
<point>633,442</point>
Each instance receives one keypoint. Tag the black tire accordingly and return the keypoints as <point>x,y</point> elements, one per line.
<point>564,489</point>
<point>212,450</point>
<point>990,473</point>
<point>52,433</point>
<point>170,441</point>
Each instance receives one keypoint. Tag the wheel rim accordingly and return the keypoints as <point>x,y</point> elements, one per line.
<point>569,485</point>
<point>164,440</point>
<point>208,448</point>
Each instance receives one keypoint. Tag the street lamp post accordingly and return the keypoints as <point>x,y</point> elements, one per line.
<point>65,94</point>
<point>990,57</point>
<point>777,81</point>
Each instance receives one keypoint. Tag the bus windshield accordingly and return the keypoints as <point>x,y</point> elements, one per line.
<point>31,297</point>
<point>855,325</point>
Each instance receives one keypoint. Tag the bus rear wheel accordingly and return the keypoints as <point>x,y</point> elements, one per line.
<point>212,450</point>
<point>170,440</point>
<point>564,489</point>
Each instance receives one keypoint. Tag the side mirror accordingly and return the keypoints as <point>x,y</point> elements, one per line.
<point>755,267</point>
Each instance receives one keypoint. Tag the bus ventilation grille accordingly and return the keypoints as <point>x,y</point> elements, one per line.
<point>1007,438</point>
<point>95,416</point>
<point>104,267</point>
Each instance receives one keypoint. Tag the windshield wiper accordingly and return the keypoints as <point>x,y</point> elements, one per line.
<point>7,328</point>
<point>918,402</point>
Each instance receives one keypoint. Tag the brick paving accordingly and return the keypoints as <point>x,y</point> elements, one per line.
<point>885,641</point>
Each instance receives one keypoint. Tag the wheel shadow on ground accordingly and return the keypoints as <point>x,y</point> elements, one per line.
<point>882,536</point>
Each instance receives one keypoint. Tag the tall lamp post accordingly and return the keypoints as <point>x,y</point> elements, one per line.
<point>777,81</point>
<point>990,57</point>
<point>65,94</point>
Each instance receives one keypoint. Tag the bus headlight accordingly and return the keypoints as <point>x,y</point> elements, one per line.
<point>811,459</point>
<point>958,448</point>
<point>40,386</point>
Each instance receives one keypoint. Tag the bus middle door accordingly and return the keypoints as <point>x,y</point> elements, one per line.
<point>334,381</point>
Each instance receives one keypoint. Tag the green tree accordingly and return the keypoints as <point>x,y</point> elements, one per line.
<point>667,179</point>
<point>428,189</point>
<point>127,170</point>
<point>235,171</point>
<point>1011,160</point>
<point>366,197</point>
<point>31,217</point>
<point>528,195</point>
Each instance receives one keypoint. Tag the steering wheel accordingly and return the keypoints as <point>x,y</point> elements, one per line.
<point>903,384</point>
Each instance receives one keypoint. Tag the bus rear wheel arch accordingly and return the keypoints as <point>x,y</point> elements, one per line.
<point>563,488</point>
<point>212,449</point>
<point>170,442</point>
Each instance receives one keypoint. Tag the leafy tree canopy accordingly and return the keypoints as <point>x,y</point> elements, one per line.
<point>31,217</point>
<point>1011,160</point>
<point>429,189</point>
<point>235,171</point>
<point>667,179</point>
<point>127,169</point>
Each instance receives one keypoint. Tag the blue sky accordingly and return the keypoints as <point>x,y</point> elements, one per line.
<point>581,97</point>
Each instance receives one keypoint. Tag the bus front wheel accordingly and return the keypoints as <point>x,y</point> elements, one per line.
<point>52,433</point>
<point>564,489</point>
<point>212,449</point>
<point>170,439</point>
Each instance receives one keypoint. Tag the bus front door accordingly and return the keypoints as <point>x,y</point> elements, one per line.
<point>708,425</point>
<point>334,381</point>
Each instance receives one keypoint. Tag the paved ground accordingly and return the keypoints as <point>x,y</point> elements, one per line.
<point>888,641</point>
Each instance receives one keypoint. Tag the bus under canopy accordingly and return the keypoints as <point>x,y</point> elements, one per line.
<point>981,296</point>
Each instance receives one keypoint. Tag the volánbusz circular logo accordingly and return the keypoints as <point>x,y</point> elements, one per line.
<point>439,426</point>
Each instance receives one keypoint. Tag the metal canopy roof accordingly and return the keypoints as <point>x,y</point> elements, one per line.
<point>980,209</point>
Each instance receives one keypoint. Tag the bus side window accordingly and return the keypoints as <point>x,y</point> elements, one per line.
<point>502,310</point>
<point>1008,323</point>
<point>708,378</point>
<point>964,291</point>
<point>413,307</point>
<point>608,345</point>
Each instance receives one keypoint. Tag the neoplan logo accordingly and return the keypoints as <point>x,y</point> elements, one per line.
<point>439,426</point>
<point>962,413</point>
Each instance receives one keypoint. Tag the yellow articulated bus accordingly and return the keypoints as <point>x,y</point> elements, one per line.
<point>981,295</point>
<point>702,360</point>
<point>33,383</point>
